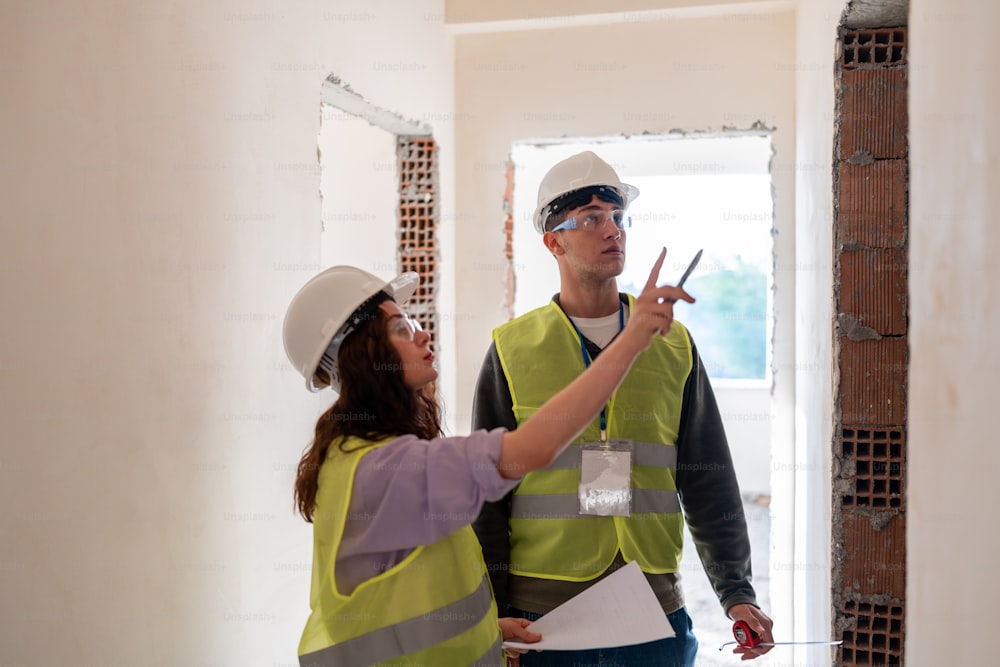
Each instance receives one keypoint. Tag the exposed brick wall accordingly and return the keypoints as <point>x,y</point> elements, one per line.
<point>418,219</point>
<point>870,294</point>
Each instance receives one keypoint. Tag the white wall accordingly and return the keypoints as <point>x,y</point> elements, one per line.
<point>808,474</point>
<point>953,459</point>
<point>359,172</point>
<point>160,199</point>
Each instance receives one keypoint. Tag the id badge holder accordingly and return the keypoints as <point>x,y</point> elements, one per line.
<point>606,478</point>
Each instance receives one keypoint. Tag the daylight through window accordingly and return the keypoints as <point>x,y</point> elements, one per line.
<point>710,193</point>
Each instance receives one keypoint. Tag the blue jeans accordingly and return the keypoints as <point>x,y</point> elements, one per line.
<point>677,651</point>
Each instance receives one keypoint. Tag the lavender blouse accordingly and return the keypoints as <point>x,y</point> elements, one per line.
<point>412,492</point>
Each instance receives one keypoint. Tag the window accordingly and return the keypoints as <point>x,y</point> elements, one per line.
<point>711,193</point>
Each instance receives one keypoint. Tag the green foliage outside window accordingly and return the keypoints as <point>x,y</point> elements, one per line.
<point>729,321</point>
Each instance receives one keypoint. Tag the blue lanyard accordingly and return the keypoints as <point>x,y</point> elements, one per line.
<point>586,362</point>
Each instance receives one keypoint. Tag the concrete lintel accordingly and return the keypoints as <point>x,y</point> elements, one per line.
<point>338,94</point>
<point>861,14</point>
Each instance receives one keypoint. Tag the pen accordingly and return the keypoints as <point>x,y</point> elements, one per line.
<point>690,268</point>
<point>687,272</point>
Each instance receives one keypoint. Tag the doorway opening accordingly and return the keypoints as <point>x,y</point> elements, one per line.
<point>380,207</point>
<point>708,192</point>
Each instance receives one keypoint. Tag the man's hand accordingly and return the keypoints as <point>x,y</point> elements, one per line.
<point>759,622</point>
<point>654,308</point>
<point>516,629</point>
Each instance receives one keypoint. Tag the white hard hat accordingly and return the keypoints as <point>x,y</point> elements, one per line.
<point>576,172</point>
<point>320,316</point>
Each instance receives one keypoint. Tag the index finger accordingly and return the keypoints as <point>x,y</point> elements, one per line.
<point>655,273</point>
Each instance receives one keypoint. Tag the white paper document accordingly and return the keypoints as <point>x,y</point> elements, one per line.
<point>619,610</point>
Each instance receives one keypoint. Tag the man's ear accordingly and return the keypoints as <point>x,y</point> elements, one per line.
<point>553,243</point>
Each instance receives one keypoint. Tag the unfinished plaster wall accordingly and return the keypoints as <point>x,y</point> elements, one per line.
<point>953,460</point>
<point>160,195</point>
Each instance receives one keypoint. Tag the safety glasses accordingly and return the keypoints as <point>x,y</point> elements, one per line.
<point>594,220</point>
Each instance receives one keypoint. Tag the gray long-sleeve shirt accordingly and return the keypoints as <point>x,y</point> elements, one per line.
<point>706,484</point>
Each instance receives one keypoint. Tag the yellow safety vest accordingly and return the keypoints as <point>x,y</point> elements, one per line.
<point>540,354</point>
<point>434,608</point>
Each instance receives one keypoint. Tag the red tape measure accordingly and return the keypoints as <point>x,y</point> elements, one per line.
<point>747,638</point>
<point>744,635</point>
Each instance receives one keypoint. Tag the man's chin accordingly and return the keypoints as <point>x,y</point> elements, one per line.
<point>614,266</point>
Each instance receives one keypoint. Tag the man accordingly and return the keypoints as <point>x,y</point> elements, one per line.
<point>658,448</point>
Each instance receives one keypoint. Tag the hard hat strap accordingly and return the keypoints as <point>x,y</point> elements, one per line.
<point>361,314</point>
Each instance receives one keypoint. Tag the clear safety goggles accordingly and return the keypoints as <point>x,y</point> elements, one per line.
<point>594,220</point>
<point>404,327</point>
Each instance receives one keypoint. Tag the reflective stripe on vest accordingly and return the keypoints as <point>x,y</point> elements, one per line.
<point>435,607</point>
<point>493,657</point>
<point>540,354</point>
<point>409,636</point>
<point>567,506</point>
<point>643,454</point>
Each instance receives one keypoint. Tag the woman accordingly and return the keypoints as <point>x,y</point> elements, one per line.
<point>398,575</point>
